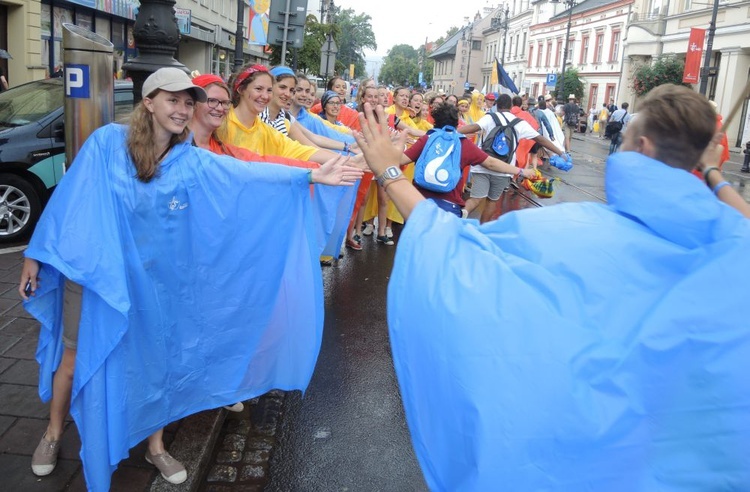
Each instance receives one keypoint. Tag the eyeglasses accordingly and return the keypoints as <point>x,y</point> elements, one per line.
<point>214,103</point>
<point>332,103</point>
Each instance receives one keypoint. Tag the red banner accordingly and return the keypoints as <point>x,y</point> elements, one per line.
<point>694,56</point>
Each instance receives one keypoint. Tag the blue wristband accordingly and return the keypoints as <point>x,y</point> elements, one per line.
<point>309,176</point>
<point>719,186</point>
<point>346,147</point>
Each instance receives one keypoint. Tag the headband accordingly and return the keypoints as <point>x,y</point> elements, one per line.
<point>246,73</point>
<point>462,101</point>
<point>327,96</point>
<point>207,79</point>
<point>281,70</point>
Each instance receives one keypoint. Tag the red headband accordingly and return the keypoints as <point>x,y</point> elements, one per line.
<point>207,79</point>
<point>248,72</point>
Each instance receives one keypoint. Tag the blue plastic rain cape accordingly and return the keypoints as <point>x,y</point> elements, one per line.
<point>333,208</point>
<point>201,288</point>
<point>316,125</point>
<point>333,204</point>
<point>580,347</point>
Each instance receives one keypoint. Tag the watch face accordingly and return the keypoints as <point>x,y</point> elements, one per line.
<point>392,172</point>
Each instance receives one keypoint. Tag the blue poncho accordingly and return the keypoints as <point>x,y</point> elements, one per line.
<point>201,288</point>
<point>333,204</point>
<point>580,347</point>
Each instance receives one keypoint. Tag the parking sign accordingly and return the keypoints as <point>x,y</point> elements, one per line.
<point>77,81</point>
<point>551,79</point>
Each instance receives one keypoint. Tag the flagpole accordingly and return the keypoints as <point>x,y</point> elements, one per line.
<point>709,48</point>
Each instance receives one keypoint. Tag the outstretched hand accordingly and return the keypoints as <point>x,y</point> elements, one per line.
<point>375,140</point>
<point>338,171</point>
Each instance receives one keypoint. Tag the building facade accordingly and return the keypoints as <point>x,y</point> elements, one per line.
<point>458,61</point>
<point>506,39</point>
<point>661,28</point>
<point>595,47</point>
<point>31,31</point>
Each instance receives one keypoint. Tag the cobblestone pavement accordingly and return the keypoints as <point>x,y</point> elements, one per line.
<point>243,450</point>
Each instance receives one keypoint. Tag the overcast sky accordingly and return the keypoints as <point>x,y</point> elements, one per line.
<point>409,21</point>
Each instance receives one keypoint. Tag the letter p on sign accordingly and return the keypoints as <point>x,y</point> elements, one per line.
<point>77,81</point>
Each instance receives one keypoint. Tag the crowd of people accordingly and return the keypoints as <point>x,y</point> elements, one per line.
<point>252,175</point>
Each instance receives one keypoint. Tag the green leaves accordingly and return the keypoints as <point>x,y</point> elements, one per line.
<point>571,85</point>
<point>666,70</point>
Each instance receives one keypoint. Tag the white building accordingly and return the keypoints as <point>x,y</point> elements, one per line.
<point>512,37</point>
<point>594,47</point>
<point>661,28</point>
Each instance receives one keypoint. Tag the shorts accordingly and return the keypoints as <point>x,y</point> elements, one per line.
<point>490,186</point>
<point>72,295</point>
<point>568,131</point>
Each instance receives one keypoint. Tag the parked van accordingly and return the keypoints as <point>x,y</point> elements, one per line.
<point>32,150</point>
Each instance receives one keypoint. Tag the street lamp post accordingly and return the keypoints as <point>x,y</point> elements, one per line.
<point>468,63</point>
<point>570,4</point>
<point>501,23</point>
<point>709,48</point>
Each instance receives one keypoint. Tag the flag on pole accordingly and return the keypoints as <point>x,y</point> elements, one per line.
<point>493,76</point>
<point>503,77</point>
<point>694,56</point>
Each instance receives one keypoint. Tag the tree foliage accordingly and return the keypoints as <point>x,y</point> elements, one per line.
<point>352,33</point>
<point>354,36</point>
<point>400,66</point>
<point>663,71</point>
<point>571,85</point>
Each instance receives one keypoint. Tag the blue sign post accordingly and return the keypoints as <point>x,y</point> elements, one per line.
<point>551,79</point>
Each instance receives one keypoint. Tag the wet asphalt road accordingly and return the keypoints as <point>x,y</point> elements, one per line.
<point>349,431</point>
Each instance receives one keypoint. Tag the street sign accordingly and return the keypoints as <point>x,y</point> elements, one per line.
<point>552,79</point>
<point>466,86</point>
<point>297,12</point>
<point>294,35</point>
<point>328,56</point>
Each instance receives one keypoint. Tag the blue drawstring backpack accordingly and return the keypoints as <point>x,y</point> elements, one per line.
<point>438,167</point>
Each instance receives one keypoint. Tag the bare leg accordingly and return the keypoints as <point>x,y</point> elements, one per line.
<point>62,385</point>
<point>156,443</point>
<point>472,203</point>
<point>489,209</point>
<point>382,211</point>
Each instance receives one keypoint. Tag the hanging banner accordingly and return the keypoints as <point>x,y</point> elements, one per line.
<point>694,55</point>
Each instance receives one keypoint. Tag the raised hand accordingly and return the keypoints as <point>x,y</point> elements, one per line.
<point>375,140</point>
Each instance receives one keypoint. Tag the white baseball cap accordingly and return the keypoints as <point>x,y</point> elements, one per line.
<point>172,79</point>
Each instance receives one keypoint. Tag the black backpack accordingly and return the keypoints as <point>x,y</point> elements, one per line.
<point>571,114</point>
<point>501,142</point>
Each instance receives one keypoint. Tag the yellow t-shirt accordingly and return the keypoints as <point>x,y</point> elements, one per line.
<point>262,139</point>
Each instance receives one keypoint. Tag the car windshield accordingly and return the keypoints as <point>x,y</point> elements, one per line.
<point>30,102</point>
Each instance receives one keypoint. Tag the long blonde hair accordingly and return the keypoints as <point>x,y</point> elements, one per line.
<point>141,143</point>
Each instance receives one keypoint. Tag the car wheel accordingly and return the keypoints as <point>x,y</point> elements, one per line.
<point>20,208</point>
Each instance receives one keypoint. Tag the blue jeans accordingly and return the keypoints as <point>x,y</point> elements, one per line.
<point>615,142</point>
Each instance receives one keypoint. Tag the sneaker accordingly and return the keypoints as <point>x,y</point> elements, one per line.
<point>171,469</point>
<point>368,229</point>
<point>388,241</point>
<point>354,243</point>
<point>389,232</point>
<point>44,460</point>
<point>236,408</point>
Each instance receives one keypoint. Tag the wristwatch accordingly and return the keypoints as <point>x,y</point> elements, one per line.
<point>390,173</point>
